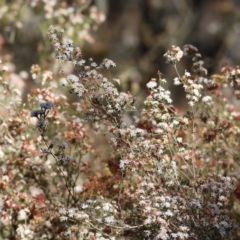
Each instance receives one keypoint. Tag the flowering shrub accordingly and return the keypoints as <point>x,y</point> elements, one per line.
<point>61,13</point>
<point>165,173</point>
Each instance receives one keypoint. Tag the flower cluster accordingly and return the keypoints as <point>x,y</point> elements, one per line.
<point>41,115</point>
<point>192,52</point>
<point>104,169</point>
<point>193,85</point>
<point>192,89</point>
<point>90,84</point>
<point>232,76</point>
<point>173,55</point>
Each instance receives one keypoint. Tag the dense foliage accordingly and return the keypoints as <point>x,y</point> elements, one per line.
<point>79,159</point>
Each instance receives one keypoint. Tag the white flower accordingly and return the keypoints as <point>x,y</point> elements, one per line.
<point>160,151</point>
<point>47,75</point>
<point>184,228</point>
<point>191,103</point>
<point>207,100</point>
<point>107,63</point>
<point>162,80</point>
<point>78,188</point>
<point>179,54</point>
<point>108,207</point>
<point>175,122</point>
<point>179,139</point>
<point>63,218</point>
<point>71,212</point>
<point>116,80</point>
<point>176,81</point>
<point>196,203</point>
<point>82,215</point>
<point>168,99</point>
<point>169,213</point>
<point>196,92</point>
<point>109,219</point>
<point>159,131</point>
<point>63,82</point>
<point>139,132</point>
<point>194,98</point>
<point>162,125</point>
<point>123,164</point>
<point>222,198</point>
<point>23,214</point>
<point>167,204</point>
<point>148,221</point>
<point>81,62</point>
<point>84,206</point>
<point>163,235</point>
<point>5,68</point>
<point>173,55</point>
<point>24,232</point>
<point>187,74</point>
<point>174,235</point>
<point>68,43</point>
<point>1,154</point>
<point>152,84</point>
<point>72,78</point>
<point>162,198</point>
<point>93,64</point>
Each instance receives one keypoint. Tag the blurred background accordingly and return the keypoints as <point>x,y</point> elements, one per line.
<point>134,34</point>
